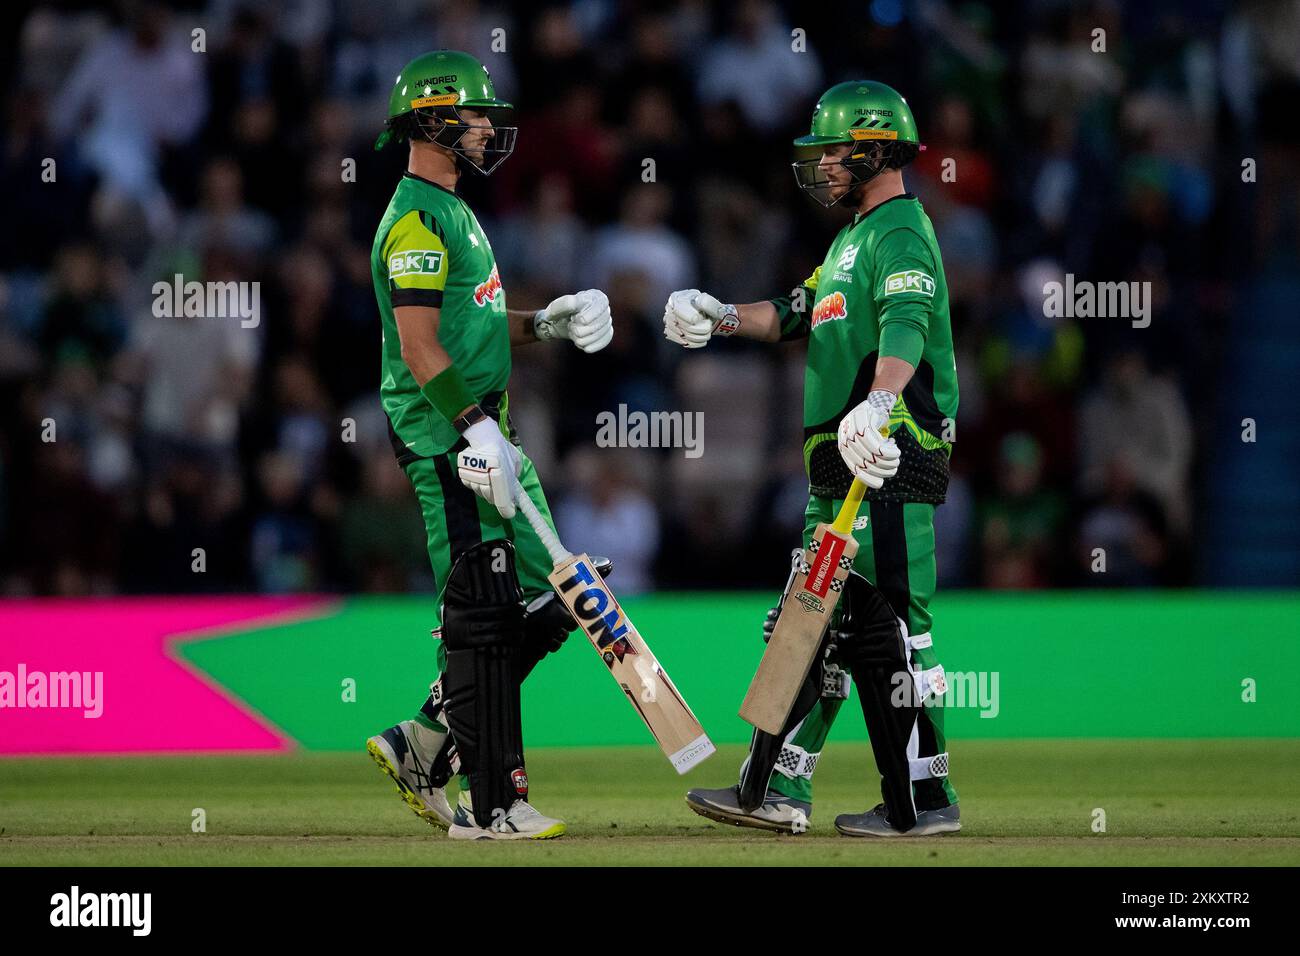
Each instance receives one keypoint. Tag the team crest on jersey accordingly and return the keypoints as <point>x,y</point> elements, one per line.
<point>848,257</point>
<point>829,308</point>
<point>413,261</point>
<point>913,280</point>
<point>486,291</point>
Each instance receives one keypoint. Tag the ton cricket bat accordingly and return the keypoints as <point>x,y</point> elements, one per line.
<point>806,609</point>
<point>623,650</point>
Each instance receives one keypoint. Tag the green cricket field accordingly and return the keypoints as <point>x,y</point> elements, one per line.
<point>1129,802</point>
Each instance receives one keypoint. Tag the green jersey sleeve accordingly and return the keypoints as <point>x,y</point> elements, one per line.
<point>415,254</point>
<point>904,287</point>
<point>794,311</point>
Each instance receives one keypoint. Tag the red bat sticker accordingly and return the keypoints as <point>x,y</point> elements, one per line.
<point>822,571</point>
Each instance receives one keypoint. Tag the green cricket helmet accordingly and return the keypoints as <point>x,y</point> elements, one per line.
<point>870,116</point>
<point>429,100</point>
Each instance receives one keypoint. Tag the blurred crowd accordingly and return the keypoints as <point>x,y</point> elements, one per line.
<point>141,453</point>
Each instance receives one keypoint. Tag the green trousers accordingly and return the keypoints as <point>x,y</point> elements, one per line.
<point>455,519</point>
<point>896,554</point>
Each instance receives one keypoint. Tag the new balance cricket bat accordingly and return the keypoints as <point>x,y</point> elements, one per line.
<point>806,609</point>
<point>630,661</point>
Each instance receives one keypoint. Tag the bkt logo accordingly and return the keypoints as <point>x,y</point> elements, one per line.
<point>912,280</point>
<point>423,261</point>
<point>847,258</point>
<point>829,308</point>
<point>599,613</point>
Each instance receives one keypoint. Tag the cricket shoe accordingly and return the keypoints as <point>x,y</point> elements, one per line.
<point>876,823</point>
<point>778,812</point>
<point>521,822</point>
<point>406,752</point>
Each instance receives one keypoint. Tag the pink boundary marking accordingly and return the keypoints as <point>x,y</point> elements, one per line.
<point>154,701</point>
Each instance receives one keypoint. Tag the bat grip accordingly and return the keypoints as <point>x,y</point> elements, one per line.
<point>556,550</point>
<point>849,510</point>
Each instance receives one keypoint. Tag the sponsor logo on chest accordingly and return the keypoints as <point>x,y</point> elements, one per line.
<point>829,308</point>
<point>488,290</point>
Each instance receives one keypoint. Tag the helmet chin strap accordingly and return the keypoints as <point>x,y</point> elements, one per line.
<point>877,165</point>
<point>441,130</point>
<point>853,194</point>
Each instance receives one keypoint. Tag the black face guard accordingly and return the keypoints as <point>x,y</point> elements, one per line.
<point>864,165</point>
<point>444,126</point>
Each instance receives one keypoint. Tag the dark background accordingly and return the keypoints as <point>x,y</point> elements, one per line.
<point>176,434</point>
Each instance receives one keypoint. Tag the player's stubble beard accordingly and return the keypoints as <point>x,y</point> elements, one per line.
<point>434,163</point>
<point>478,139</point>
<point>886,184</point>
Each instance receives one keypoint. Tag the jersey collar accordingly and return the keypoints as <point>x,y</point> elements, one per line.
<point>428,182</point>
<point>858,217</point>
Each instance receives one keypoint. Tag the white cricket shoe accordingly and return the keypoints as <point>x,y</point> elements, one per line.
<point>521,822</point>
<point>406,753</point>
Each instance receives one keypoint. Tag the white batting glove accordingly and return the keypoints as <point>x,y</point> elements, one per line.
<point>490,466</point>
<point>692,317</point>
<point>583,318</point>
<point>870,454</point>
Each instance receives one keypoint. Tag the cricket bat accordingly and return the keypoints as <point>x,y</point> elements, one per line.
<point>806,609</point>
<point>630,661</point>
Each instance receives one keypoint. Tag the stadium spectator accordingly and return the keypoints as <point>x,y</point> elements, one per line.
<point>184,433</point>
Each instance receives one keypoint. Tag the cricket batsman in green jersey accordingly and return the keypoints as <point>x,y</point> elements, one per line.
<point>447,340</point>
<point>880,362</point>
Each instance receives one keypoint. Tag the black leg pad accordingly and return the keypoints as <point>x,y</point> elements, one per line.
<point>483,632</point>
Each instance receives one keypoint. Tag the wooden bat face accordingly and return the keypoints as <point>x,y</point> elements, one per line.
<point>806,610</point>
<point>631,663</point>
<point>805,613</point>
<point>594,608</point>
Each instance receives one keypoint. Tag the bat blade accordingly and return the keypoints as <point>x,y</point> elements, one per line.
<point>631,663</point>
<point>806,610</point>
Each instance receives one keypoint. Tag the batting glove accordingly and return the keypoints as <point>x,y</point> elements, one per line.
<point>870,454</point>
<point>692,317</point>
<point>582,318</point>
<point>490,466</point>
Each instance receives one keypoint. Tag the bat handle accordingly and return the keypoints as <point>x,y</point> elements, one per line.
<point>849,510</point>
<point>556,550</point>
